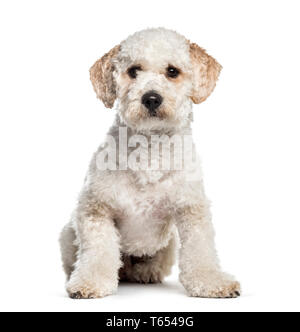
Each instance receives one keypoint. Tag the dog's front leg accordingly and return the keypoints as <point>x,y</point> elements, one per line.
<point>200,271</point>
<point>98,258</point>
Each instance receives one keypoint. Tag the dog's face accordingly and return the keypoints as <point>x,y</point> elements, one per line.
<point>155,74</point>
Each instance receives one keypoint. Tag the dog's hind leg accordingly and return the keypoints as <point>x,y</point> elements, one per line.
<point>68,249</point>
<point>148,269</point>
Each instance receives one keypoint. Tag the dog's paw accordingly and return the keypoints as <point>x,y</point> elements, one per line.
<point>143,274</point>
<point>146,277</point>
<point>84,290</point>
<point>211,284</point>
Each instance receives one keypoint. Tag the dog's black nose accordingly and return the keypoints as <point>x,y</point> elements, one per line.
<point>152,101</point>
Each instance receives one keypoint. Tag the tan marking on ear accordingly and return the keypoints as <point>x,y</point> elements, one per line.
<point>206,72</point>
<point>101,74</point>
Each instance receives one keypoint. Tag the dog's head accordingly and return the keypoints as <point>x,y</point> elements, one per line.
<point>155,74</point>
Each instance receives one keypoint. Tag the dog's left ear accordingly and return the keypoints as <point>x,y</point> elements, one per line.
<point>206,71</point>
<point>101,74</point>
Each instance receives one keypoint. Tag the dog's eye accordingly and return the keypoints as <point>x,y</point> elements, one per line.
<point>132,71</point>
<point>172,72</point>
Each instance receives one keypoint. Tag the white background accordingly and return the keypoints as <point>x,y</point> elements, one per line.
<point>247,134</point>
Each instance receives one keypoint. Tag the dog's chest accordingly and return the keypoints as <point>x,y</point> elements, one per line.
<point>145,222</point>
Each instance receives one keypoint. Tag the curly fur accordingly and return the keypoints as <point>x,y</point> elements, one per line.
<point>101,74</point>
<point>127,222</point>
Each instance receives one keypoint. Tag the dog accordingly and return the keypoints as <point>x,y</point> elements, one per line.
<point>131,218</point>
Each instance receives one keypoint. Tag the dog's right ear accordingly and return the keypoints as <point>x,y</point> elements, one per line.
<point>101,74</point>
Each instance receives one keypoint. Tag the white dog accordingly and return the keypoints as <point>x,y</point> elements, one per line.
<point>131,213</point>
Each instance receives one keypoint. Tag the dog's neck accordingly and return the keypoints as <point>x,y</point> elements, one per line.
<point>184,129</point>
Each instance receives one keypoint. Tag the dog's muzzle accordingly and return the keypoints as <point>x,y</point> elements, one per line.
<point>152,100</point>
